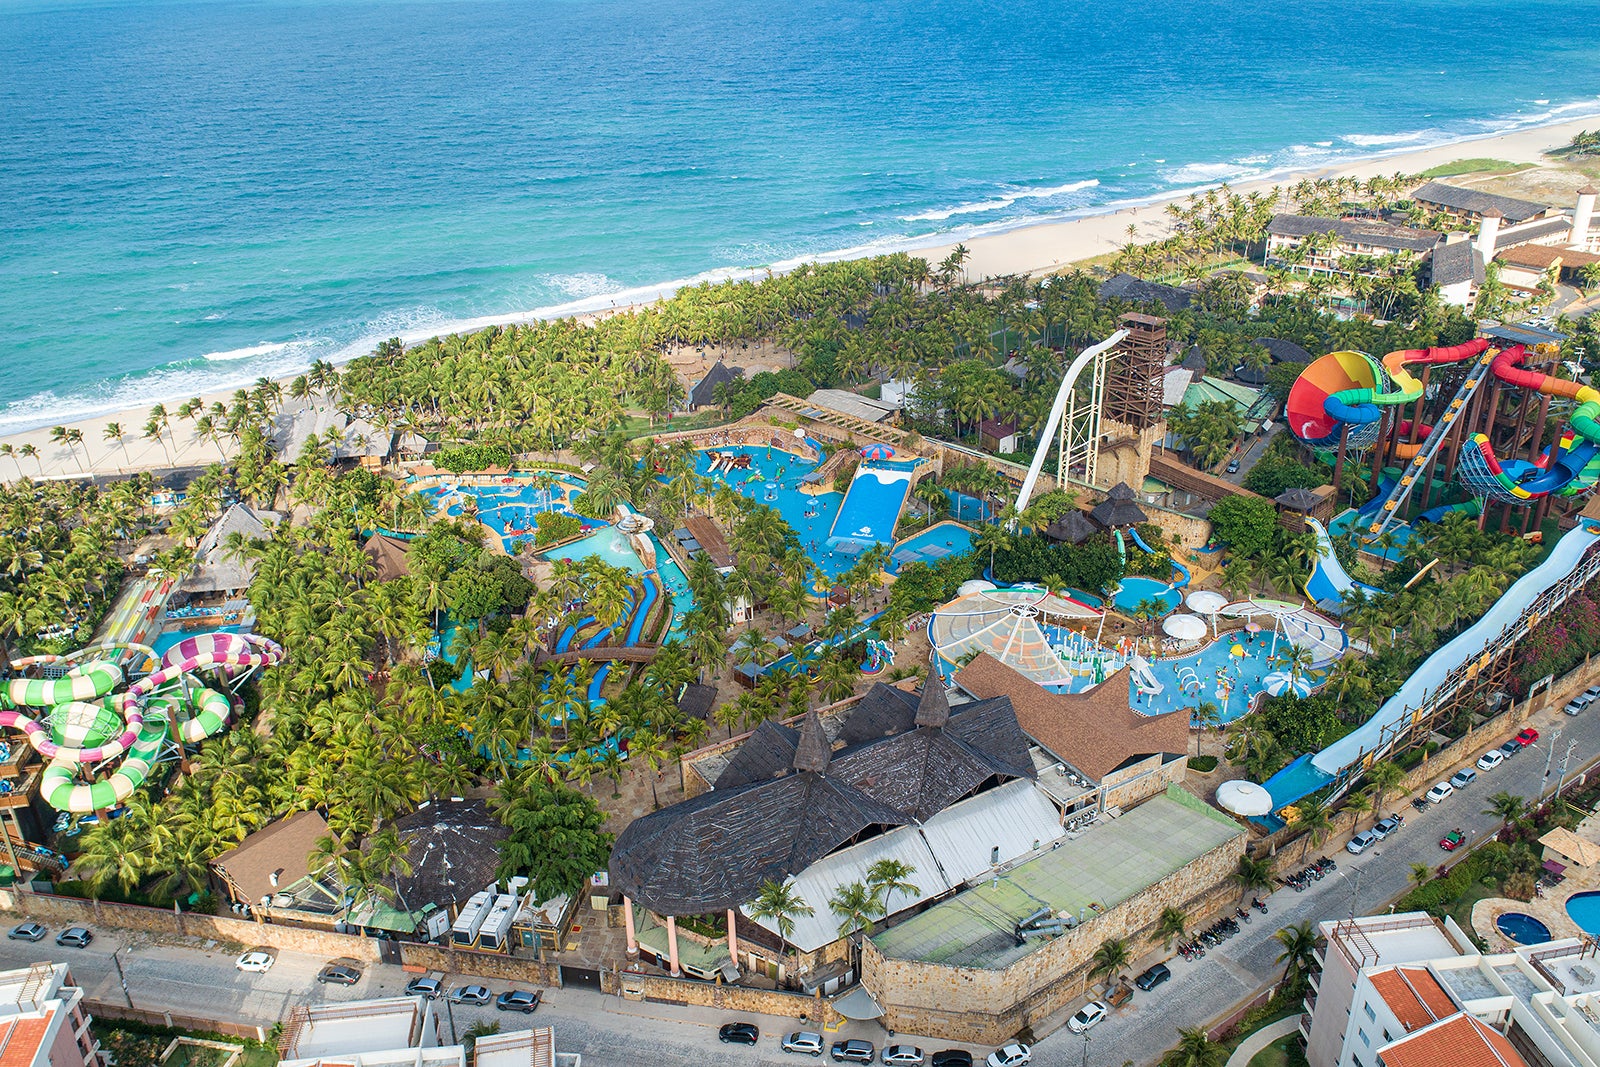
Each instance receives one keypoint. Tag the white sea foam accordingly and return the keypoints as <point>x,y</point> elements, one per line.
<point>1192,173</point>
<point>581,284</point>
<point>1375,140</point>
<point>253,351</point>
<point>1001,202</point>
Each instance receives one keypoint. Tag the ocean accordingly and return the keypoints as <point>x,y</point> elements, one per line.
<point>194,193</point>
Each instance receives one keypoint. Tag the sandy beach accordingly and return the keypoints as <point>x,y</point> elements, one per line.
<point>1037,249</point>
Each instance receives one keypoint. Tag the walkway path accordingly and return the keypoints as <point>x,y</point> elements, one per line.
<point>1261,1039</point>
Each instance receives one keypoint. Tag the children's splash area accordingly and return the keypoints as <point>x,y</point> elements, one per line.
<point>508,504</point>
<point>1225,653</point>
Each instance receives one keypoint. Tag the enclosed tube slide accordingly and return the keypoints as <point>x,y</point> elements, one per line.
<point>1183,572</point>
<point>1569,467</point>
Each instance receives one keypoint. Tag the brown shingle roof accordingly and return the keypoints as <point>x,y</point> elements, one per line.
<point>388,556</point>
<point>1460,1041</point>
<point>1095,731</point>
<point>1478,202</point>
<point>1544,257</point>
<point>706,531</point>
<point>283,846</point>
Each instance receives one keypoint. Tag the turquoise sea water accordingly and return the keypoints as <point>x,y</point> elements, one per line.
<point>197,193</point>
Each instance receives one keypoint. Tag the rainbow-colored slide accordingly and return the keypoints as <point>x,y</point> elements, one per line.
<point>1570,466</point>
<point>1351,390</point>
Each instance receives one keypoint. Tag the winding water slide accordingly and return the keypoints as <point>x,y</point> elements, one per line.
<point>1572,464</point>
<point>1330,583</point>
<point>1297,780</point>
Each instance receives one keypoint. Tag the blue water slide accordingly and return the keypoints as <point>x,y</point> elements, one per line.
<point>1330,583</point>
<point>1367,510</point>
<point>1183,572</point>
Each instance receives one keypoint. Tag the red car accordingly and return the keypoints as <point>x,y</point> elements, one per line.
<point>1527,737</point>
<point>1452,840</point>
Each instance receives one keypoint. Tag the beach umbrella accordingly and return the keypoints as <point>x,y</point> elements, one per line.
<point>1205,601</point>
<point>1280,682</point>
<point>877,452</point>
<point>1252,627</point>
<point>1184,627</point>
<point>800,433</point>
<point>1244,798</point>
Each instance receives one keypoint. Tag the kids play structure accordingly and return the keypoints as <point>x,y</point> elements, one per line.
<point>84,720</point>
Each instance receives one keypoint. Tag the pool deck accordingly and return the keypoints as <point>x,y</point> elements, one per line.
<point>1550,909</point>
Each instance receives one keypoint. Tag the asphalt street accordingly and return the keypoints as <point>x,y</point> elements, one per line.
<point>609,1031</point>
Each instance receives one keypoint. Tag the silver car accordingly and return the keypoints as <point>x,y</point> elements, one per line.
<point>804,1041</point>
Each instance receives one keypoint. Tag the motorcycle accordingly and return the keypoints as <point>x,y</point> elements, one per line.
<point>1259,904</point>
<point>1244,916</point>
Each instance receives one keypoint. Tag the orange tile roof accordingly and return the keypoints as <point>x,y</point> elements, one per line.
<point>1460,1041</point>
<point>20,1039</point>
<point>1414,996</point>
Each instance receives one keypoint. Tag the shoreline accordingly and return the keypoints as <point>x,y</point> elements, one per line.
<point>1024,247</point>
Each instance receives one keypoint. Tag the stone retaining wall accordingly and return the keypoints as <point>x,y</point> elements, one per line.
<point>813,1010</point>
<point>450,960</point>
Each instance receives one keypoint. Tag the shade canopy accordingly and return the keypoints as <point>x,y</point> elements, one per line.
<point>1184,627</point>
<point>859,1005</point>
<point>877,452</point>
<point>1244,798</point>
<point>1205,601</point>
<point>1280,682</point>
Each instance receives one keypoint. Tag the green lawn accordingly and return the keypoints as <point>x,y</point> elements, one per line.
<point>1479,165</point>
<point>1462,910</point>
<point>1284,1052</point>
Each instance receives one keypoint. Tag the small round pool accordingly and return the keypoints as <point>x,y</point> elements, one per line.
<point>1137,589</point>
<point>1523,929</point>
<point>1584,909</point>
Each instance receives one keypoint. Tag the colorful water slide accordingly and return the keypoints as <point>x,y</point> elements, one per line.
<point>59,786</point>
<point>870,509</point>
<point>1330,583</point>
<point>1466,507</point>
<point>1183,572</point>
<point>1122,549</point>
<point>1303,777</point>
<point>1569,467</point>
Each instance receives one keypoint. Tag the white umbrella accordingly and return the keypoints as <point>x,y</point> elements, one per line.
<point>1279,682</point>
<point>1184,627</point>
<point>1244,798</point>
<point>1205,601</point>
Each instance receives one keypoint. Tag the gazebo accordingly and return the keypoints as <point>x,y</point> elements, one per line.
<point>1119,508</point>
<point>1073,528</point>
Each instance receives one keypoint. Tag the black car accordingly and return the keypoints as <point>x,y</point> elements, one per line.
<point>853,1051</point>
<point>1510,748</point>
<point>28,932</point>
<point>340,972</point>
<point>517,1000</point>
<point>738,1034</point>
<point>74,937</point>
<point>951,1057</point>
<point>1153,977</point>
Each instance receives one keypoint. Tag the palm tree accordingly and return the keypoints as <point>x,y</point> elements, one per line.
<point>1108,959</point>
<point>779,903</point>
<point>1195,1049</point>
<point>856,906</point>
<point>1171,926</point>
<point>887,877</point>
<point>115,432</point>
<point>1420,874</point>
<point>1299,953</point>
<point>1506,807</point>
<point>1383,778</point>
<point>1251,875</point>
<point>1204,715</point>
<point>1317,826</point>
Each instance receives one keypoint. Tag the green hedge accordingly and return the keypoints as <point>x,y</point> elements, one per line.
<point>473,458</point>
<point>1203,764</point>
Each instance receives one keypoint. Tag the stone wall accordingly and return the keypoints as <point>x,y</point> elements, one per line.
<point>1125,788</point>
<point>812,1010</point>
<point>1190,531</point>
<point>451,960</point>
<point>69,911</point>
<point>991,1006</point>
<point>231,1027</point>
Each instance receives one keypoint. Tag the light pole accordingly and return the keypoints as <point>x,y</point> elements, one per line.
<point>1355,887</point>
<point>1548,757</point>
<point>1086,1050</point>
<point>1561,779</point>
<point>122,979</point>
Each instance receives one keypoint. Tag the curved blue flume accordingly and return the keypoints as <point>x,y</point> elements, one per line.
<point>1183,572</point>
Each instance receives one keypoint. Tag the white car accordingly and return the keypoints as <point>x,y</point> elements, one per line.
<point>1440,793</point>
<point>1013,1055</point>
<point>1490,760</point>
<point>256,961</point>
<point>1087,1016</point>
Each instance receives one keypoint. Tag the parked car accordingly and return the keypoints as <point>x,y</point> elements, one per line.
<point>902,1056</point>
<point>517,1000</point>
<point>1593,693</point>
<point>1361,842</point>
<point>1233,466</point>
<point>1527,737</point>
<point>256,961</point>
<point>738,1033</point>
<point>1452,840</point>
<point>1386,826</point>
<point>1576,705</point>
<point>424,987</point>
<point>75,937</point>
<point>803,1041</point>
<point>28,932</point>
<point>853,1051</point>
<point>1463,778</point>
<point>1153,977</point>
<point>1510,748</point>
<point>1013,1055</point>
<point>340,972</point>
<point>1087,1016</point>
<point>1490,760</point>
<point>470,994</point>
<point>951,1057</point>
<point>1440,793</point>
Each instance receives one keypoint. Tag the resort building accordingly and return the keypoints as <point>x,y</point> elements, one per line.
<point>260,872</point>
<point>1128,287</point>
<point>221,575</point>
<point>1101,754</point>
<point>852,404</point>
<point>1016,945</point>
<point>1408,990</point>
<point>947,790</point>
<point>1468,206</point>
<point>42,1019</point>
<point>1327,242</point>
<point>316,421</point>
<point>522,1048</point>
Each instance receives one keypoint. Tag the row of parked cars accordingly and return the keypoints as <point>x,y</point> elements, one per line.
<point>71,937</point>
<point>1582,700</point>
<point>347,971</point>
<point>858,1050</point>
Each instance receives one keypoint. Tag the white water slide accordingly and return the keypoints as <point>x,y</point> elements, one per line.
<point>1563,560</point>
<point>1048,434</point>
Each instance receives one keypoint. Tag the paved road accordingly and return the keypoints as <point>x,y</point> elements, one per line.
<point>610,1031</point>
<point>1252,454</point>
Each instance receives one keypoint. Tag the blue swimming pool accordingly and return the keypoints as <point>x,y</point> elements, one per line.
<point>1216,673</point>
<point>1584,909</point>
<point>511,508</point>
<point>931,545</point>
<point>612,547</point>
<point>870,508</point>
<point>1137,588</point>
<point>1523,929</point>
<point>773,477</point>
